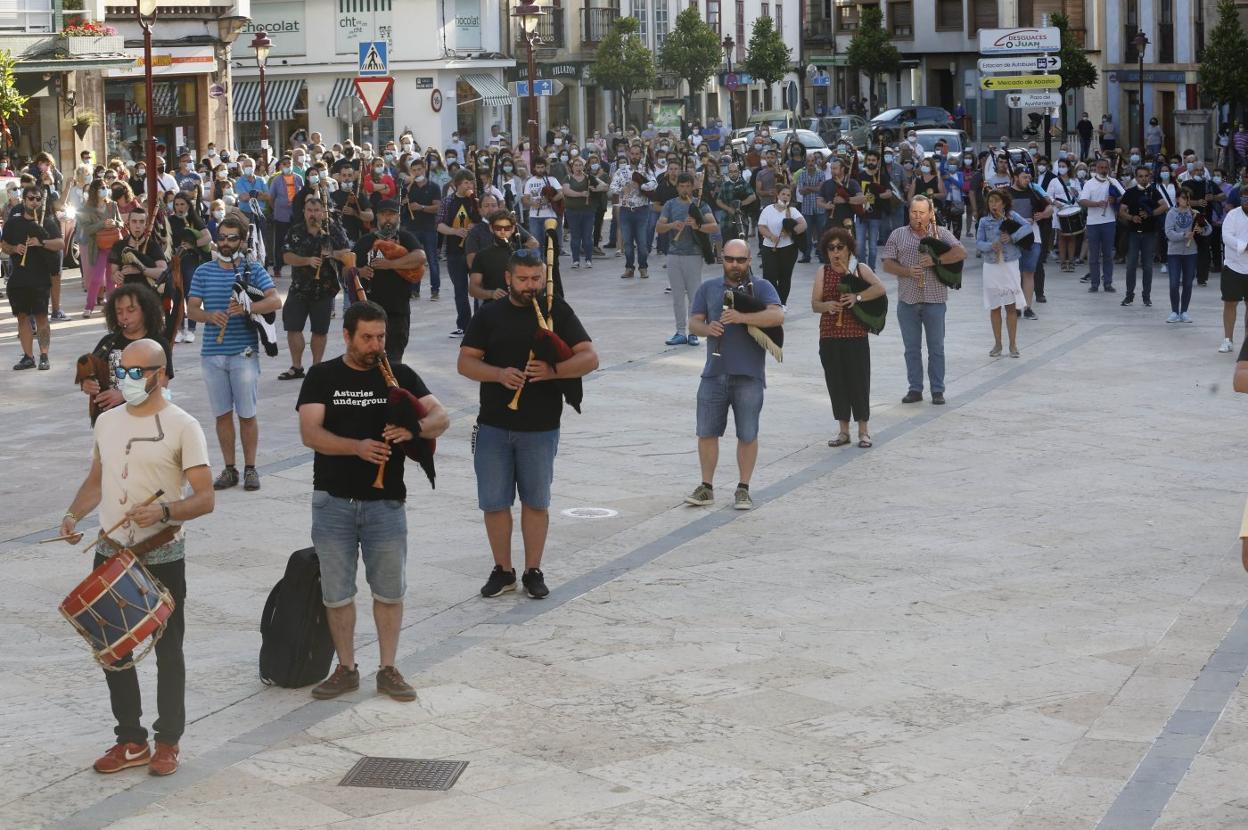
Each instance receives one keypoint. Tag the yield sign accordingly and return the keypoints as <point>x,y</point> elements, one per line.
<point>373,92</point>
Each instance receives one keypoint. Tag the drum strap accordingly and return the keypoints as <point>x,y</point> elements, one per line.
<point>149,544</point>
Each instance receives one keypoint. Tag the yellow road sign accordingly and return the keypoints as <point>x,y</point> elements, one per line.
<point>1022,82</point>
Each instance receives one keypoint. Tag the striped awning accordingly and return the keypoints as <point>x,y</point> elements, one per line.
<point>280,99</point>
<point>490,89</point>
<point>342,88</point>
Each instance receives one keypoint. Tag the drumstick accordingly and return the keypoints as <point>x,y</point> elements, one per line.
<point>106,533</point>
<point>75,535</point>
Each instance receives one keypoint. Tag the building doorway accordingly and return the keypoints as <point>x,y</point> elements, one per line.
<point>1166,117</point>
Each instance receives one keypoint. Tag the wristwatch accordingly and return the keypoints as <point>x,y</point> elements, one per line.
<point>164,508</point>
<point>858,298</point>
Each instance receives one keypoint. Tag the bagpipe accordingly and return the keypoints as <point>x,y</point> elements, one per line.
<point>842,192</point>
<point>703,240</point>
<point>549,192</point>
<point>405,410</point>
<point>244,293</point>
<point>93,366</point>
<point>547,345</point>
<point>949,274</point>
<point>1010,226</point>
<point>393,250</point>
<point>770,338</point>
<point>871,313</point>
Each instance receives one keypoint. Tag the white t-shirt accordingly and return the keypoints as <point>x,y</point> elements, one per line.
<point>130,476</point>
<point>539,207</point>
<point>772,218</point>
<point>1095,190</point>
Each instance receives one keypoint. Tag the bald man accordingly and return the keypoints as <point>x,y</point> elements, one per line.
<point>735,373</point>
<point>147,445</point>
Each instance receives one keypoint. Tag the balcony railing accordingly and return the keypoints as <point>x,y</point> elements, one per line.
<point>32,16</point>
<point>818,31</point>
<point>550,30</point>
<point>596,23</point>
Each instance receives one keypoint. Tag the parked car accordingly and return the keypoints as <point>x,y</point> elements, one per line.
<point>832,127</point>
<point>810,140</point>
<point>957,140</point>
<point>776,119</point>
<point>891,123</point>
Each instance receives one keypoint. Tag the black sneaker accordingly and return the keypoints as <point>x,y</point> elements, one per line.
<point>535,583</point>
<point>1127,300</point>
<point>343,680</point>
<point>1148,303</point>
<point>499,582</point>
<point>1040,298</point>
<point>1086,278</point>
<point>938,398</point>
<point>1109,289</point>
<point>227,479</point>
<point>1092,289</point>
<point>44,365</point>
<point>27,362</point>
<point>913,396</point>
<point>1029,314</point>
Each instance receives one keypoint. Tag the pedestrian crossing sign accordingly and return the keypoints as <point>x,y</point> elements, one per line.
<point>374,60</point>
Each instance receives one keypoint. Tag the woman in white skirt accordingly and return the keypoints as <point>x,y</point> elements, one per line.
<point>1002,283</point>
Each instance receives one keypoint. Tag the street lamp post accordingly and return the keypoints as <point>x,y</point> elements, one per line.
<point>146,13</point>
<point>262,45</point>
<point>530,15</point>
<point>727,45</point>
<point>1141,42</point>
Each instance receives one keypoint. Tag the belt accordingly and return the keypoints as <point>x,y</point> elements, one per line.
<point>141,549</point>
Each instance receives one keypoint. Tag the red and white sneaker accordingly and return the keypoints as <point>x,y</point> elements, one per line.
<point>164,759</point>
<point>123,756</point>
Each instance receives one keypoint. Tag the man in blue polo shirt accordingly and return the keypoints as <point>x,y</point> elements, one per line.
<point>230,358</point>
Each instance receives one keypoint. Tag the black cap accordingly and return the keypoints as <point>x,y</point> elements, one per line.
<point>388,204</point>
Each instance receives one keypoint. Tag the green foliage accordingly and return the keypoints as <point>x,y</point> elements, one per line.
<point>1223,73</point>
<point>871,51</point>
<point>1077,71</point>
<point>622,63</point>
<point>692,50</point>
<point>768,58</point>
<point>12,102</point>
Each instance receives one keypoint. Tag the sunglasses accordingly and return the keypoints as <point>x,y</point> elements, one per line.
<point>229,237</point>
<point>737,259</point>
<point>135,372</point>
<point>503,227</point>
<point>34,198</point>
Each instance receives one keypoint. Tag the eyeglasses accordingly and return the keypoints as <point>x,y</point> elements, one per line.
<point>737,259</point>
<point>229,237</point>
<point>838,246</point>
<point>503,227</point>
<point>33,198</point>
<point>135,372</point>
<point>528,253</point>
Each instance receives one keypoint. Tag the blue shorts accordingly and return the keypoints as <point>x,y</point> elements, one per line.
<point>744,394</point>
<point>233,382</point>
<point>1027,260</point>
<point>507,461</point>
<point>342,529</point>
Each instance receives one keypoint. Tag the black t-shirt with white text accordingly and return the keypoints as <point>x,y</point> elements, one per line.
<point>356,407</point>
<point>505,332</point>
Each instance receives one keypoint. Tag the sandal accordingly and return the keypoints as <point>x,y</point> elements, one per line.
<point>293,373</point>
<point>996,351</point>
<point>864,442</point>
<point>840,440</point>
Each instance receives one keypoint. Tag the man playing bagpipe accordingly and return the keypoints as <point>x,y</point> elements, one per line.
<point>139,256</point>
<point>528,352</point>
<point>393,261</point>
<point>347,417</point>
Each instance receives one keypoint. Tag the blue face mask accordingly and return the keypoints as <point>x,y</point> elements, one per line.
<point>134,391</point>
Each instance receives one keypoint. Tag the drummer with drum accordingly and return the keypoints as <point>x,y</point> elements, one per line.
<point>1068,218</point>
<point>147,446</point>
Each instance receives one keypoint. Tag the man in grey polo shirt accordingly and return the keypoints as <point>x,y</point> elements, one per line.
<point>685,218</point>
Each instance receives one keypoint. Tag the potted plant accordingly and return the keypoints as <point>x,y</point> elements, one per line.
<point>83,121</point>
<point>89,37</point>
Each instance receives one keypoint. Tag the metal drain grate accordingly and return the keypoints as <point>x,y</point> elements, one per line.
<point>404,774</point>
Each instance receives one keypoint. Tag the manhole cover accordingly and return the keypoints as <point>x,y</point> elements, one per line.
<point>591,512</point>
<point>404,774</point>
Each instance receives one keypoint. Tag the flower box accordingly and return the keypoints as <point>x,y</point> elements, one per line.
<point>93,45</point>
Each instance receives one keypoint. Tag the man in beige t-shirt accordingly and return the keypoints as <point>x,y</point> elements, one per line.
<point>146,446</point>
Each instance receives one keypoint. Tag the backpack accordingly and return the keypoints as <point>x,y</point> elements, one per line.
<point>296,648</point>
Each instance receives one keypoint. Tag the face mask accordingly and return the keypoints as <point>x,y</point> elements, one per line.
<point>286,170</point>
<point>697,132</point>
<point>595,167</point>
<point>218,215</point>
<point>563,157</point>
<point>574,152</point>
<point>418,180</point>
<point>1165,175</point>
<point>1004,144</point>
<point>842,149</point>
<point>180,212</point>
<point>661,164</point>
<point>1083,174</point>
<point>1063,169</point>
<point>1217,180</point>
<point>908,166</point>
<point>764,162</point>
<point>1043,168</point>
<point>349,186</point>
<point>134,391</point>
<point>247,171</point>
<point>888,158</point>
<point>389,156</point>
<point>139,171</point>
<point>1135,158</point>
<point>926,169</point>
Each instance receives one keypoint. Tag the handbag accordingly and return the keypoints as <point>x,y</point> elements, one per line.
<point>106,238</point>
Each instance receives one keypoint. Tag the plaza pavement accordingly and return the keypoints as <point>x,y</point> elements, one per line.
<point>985,621</point>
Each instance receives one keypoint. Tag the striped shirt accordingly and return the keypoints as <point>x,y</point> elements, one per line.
<point>815,179</point>
<point>215,285</point>
<point>903,247</point>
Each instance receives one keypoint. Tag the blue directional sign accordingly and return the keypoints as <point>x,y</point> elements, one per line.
<point>544,87</point>
<point>374,60</point>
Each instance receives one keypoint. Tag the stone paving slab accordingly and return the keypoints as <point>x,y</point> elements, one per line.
<point>984,621</point>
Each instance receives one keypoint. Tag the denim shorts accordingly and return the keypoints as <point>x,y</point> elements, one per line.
<point>342,529</point>
<point>741,392</point>
<point>507,461</point>
<point>233,382</point>
<point>1028,259</point>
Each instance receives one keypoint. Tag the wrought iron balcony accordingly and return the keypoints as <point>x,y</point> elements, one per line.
<point>596,23</point>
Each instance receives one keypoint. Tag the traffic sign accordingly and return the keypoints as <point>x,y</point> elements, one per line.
<point>374,59</point>
<point>373,93</point>
<point>546,86</point>
<point>1033,100</point>
<point>732,81</point>
<point>216,91</point>
<point>1031,63</point>
<point>1021,82</point>
<point>1014,41</point>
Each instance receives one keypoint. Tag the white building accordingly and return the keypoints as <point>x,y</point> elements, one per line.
<point>444,56</point>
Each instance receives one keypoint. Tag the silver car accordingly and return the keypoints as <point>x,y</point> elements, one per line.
<point>956,140</point>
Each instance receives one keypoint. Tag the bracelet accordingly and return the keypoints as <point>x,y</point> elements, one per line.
<point>69,514</point>
<point>164,507</point>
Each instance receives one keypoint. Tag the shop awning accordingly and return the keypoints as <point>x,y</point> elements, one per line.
<point>490,89</point>
<point>280,98</point>
<point>342,88</point>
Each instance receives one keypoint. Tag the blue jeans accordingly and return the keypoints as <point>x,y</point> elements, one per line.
<point>652,222</point>
<point>815,222</point>
<point>914,319</point>
<point>1182,268</point>
<point>508,461</point>
<point>344,528</point>
<point>429,244</point>
<point>537,227</point>
<point>868,241</point>
<point>1101,253</point>
<point>457,267</point>
<point>633,225</point>
<point>581,227</point>
<point>1140,250</point>
<point>716,395</point>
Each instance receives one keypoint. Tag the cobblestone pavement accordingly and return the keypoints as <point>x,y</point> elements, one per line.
<point>985,621</point>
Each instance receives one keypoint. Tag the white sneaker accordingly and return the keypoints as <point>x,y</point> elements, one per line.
<point>180,337</point>
<point>1173,318</point>
<point>189,337</point>
<point>1185,317</point>
<point>1226,346</point>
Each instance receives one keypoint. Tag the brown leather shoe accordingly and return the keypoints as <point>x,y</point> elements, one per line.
<point>164,760</point>
<point>390,682</point>
<point>343,680</point>
<point>123,756</point>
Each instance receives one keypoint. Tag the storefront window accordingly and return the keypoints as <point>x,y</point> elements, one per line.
<point>380,131</point>
<point>125,117</point>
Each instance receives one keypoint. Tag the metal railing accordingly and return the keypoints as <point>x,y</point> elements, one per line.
<point>550,29</point>
<point>596,23</point>
<point>818,31</point>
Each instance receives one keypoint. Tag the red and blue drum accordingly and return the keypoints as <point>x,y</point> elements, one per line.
<point>117,607</point>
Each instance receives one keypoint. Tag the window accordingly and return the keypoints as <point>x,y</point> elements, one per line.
<point>949,14</point>
<point>901,19</point>
<point>983,16</point>
<point>780,19</point>
<point>1165,31</point>
<point>1026,13</point>
<point>740,30</point>
<point>846,18</point>
<point>1198,22</point>
<point>1130,26</point>
<point>639,11</point>
<point>767,9</point>
<point>712,15</point>
<point>660,23</point>
<point>26,16</point>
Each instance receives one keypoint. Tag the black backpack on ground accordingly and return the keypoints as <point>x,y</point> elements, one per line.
<point>296,648</point>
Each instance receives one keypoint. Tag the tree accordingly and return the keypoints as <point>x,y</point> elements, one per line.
<point>691,51</point>
<point>1223,74</point>
<point>768,58</point>
<point>871,52</point>
<point>1076,70</point>
<point>622,63</point>
<point>12,102</point>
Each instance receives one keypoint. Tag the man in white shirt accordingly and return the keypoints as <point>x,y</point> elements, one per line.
<point>456,145</point>
<point>631,184</point>
<point>541,193</point>
<point>1098,196</point>
<point>1234,278</point>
